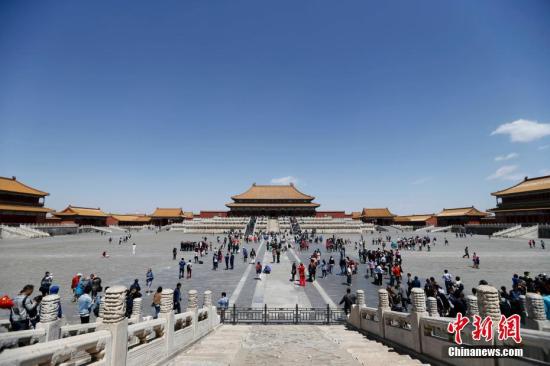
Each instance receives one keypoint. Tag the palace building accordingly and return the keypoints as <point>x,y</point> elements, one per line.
<point>166,216</point>
<point>378,216</point>
<point>128,220</point>
<point>272,200</point>
<point>416,220</point>
<point>83,216</point>
<point>526,202</point>
<point>20,203</point>
<point>459,216</point>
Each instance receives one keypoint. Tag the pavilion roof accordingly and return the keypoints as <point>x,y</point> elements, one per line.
<point>527,185</point>
<point>131,218</point>
<point>412,218</point>
<point>167,212</point>
<point>275,204</point>
<point>275,192</point>
<point>461,211</point>
<point>188,215</point>
<point>12,185</point>
<point>22,208</point>
<point>356,215</point>
<point>376,212</point>
<point>81,211</point>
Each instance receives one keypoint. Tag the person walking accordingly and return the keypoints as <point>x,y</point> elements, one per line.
<point>149,277</point>
<point>22,306</point>
<point>258,270</point>
<point>45,283</point>
<point>227,260</point>
<point>348,301</point>
<point>182,268</point>
<point>302,274</point>
<point>174,253</point>
<point>189,269</point>
<point>133,248</point>
<point>231,261</point>
<point>466,253</point>
<point>156,301</point>
<point>293,271</point>
<point>223,305</point>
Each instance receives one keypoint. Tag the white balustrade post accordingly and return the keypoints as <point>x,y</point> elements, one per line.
<point>536,315</point>
<point>488,303</point>
<point>114,320</point>
<point>167,313</point>
<point>383,306</point>
<point>355,314</point>
<point>432,306</point>
<point>417,312</point>
<point>192,306</point>
<point>49,319</point>
<point>207,304</point>
<point>99,319</point>
<point>136,310</point>
<point>471,302</point>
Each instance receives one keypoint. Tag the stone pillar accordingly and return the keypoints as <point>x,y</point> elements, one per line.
<point>383,305</point>
<point>167,313</point>
<point>101,309</point>
<point>207,299</point>
<point>432,306</point>
<point>136,310</point>
<point>523,308</point>
<point>536,315</point>
<point>418,299</point>
<point>192,300</point>
<point>114,321</point>
<point>488,303</point>
<point>360,298</point>
<point>49,320</point>
<point>471,302</point>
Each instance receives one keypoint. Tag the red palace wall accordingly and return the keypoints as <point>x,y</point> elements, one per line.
<point>210,214</point>
<point>334,214</point>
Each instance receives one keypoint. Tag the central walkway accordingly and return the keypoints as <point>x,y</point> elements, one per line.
<point>288,345</point>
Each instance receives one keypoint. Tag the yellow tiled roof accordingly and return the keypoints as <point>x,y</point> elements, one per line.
<point>131,218</point>
<point>461,211</point>
<point>297,204</point>
<point>376,212</point>
<point>356,215</point>
<point>273,192</point>
<point>81,211</point>
<point>14,186</point>
<point>22,208</point>
<point>411,218</point>
<point>527,185</point>
<point>167,212</point>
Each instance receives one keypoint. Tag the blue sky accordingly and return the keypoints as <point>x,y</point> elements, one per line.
<point>405,104</point>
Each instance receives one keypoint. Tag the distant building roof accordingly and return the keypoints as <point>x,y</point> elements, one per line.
<point>81,211</point>
<point>274,204</point>
<point>376,213</point>
<point>131,218</point>
<point>22,208</point>
<point>413,218</point>
<point>167,212</point>
<point>188,215</point>
<point>461,211</point>
<point>273,192</point>
<point>527,185</point>
<point>356,215</point>
<point>14,186</point>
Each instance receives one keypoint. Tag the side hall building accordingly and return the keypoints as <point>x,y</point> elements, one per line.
<point>83,216</point>
<point>528,202</point>
<point>377,216</point>
<point>272,200</point>
<point>460,216</point>
<point>21,204</point>
<point>166,216</point>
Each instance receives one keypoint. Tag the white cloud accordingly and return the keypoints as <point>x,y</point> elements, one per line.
<point>523,130</point>
<point>506,172</point>
<point>421,180</point>
<point>506,157</point>
<point>543,147</point>
<point>285,180</point>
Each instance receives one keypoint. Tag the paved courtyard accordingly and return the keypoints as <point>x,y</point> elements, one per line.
<point>25,261</point>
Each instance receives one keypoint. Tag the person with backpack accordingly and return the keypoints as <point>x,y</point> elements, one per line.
<point>85,305</point>
<point>22,310</point>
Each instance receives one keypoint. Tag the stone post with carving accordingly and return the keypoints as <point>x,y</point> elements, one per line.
<point>355,314</point>
<point>536,315</point>
<point>49,319</point>
<point>418,299</point>
<point>432,306</point>
<point>193,305</point>
<point>471,302</point>
<point>383,306</point>
<point>207,299</point>
<point>488,303</point>
<point>167,313</point>
<point>114,320</point>
<point>136,310</point>
<point>99,319</point>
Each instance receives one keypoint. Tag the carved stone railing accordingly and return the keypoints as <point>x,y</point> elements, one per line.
<point>425,334</point>
<point>111,340</point>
